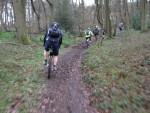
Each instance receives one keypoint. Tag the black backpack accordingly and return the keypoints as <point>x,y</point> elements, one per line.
<point>96,31</point>
<point>54,32</point>
<point>87,32</point>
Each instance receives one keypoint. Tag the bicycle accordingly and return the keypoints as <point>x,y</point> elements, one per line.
<point>50,70</point>
<point>88,42</point>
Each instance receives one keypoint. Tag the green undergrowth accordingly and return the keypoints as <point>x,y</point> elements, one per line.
<point>68,40</point>
<point>118,74</point>
<point>20,78</point>
<point>7,36</point>
<point>21,72</point>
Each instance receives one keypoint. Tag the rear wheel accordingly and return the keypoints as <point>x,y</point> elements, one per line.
<point>87,43</point>
<point>49,70</point>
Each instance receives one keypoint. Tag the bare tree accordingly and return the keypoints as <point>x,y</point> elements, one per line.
<point>119,10</point>
<point>108,26</point>
<point>51,7</point>
<point>99,11</point>
<point>3,14</point>
<point>36,13</point>
<point>143,15</point>
<point>81,25</point>
<point>126,19</point>
<point>20,21</point>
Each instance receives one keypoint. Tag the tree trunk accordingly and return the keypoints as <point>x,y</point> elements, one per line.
<point>3,22</point>
<point>37,14</point>
<point>83,13</point>
<point>108,26</point>
<point>44,21</point>
<point>144,26</point>
<point>99,11</point>
<point>149,8</point>
<point>119,11</point>
<point>20,21</point>
<point>51,6</point>
<point>1,11</point>
<point>126,14</point>
<point>82,18</point>
<point>6,17</point>
<point>137,4</point>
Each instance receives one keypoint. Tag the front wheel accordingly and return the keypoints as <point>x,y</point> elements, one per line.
<point>49,70</point>
<point>87,43</point>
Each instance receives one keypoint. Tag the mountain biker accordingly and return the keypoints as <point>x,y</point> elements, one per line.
<point>96,32</point>
<point>88,34</point>
<point>121,26</point>
<point>53,41</point>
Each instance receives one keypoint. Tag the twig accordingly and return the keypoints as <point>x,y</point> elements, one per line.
<point>10,43</point>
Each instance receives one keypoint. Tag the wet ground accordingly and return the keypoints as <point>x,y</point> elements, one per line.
<point>65,92</point>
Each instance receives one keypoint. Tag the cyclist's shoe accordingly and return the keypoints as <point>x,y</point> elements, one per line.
<point>45,63</point>
<point>54,67</point>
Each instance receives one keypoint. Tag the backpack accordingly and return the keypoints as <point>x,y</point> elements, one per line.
<point>96,31</point>
<point>54,32</point>
<point>87,33</point>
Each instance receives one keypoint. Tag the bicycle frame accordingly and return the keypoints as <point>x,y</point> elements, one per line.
<point>49,67</point>
<point>87,42</point>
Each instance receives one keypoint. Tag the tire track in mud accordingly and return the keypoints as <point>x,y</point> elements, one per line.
<point>65,93</point>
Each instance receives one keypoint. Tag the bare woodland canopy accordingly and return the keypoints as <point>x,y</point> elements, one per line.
<point>33,16</point>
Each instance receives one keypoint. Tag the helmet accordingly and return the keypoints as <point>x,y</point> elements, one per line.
<point>96,26</point>
<point>54,25</point>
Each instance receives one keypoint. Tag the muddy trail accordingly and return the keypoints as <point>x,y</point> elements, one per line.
<point>66,93</point>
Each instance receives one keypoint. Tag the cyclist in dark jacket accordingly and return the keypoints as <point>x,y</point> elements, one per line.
<point>96,32</point>
<point>53,41</point>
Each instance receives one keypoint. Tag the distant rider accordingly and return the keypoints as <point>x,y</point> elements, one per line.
<point>88,34</point>
<point>96,32</point>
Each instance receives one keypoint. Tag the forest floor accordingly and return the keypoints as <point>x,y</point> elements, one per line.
<point>114,74</point>
<point>118,74</point>
<point>116,78</point>
<point>66,93</point>
<point>21,73</point>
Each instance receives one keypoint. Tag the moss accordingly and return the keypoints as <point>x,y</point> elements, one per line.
<point>25,39</point>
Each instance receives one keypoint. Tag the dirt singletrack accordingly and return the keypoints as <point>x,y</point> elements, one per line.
<point>66,93</point>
